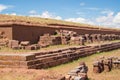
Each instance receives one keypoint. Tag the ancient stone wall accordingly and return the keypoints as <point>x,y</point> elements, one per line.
<point>17,61</point>
<point>38,60</point>
<point>7,29</point>
<point>30,33</point>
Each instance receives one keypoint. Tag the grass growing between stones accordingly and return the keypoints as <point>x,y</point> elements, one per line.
<point>6,49</point>
<point>53,47</point>
<point>114,74</point>
<point>31,74</point>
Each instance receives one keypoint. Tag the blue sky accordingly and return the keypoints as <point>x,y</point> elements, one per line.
<point>95,12</point>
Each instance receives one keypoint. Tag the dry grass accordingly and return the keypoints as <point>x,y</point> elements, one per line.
<point>54,47</point>
<point>114,74</point>
<point>37,20</point>
<point>25,74</point>
<point>46,21</point>
<point>49,74</point>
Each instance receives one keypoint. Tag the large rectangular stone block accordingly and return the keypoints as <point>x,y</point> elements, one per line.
<point>22,57</point>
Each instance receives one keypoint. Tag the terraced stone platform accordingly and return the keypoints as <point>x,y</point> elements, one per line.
<point>45,59</point>
<point>16,60</point>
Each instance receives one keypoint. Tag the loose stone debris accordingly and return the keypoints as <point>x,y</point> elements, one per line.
<point>78,73</point>
<point>106,64</point>
<point>62,37</point>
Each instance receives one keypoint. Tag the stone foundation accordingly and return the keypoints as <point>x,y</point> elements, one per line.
<point>38,60</point>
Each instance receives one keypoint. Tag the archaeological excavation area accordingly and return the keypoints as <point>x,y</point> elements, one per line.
<point>33,34</point>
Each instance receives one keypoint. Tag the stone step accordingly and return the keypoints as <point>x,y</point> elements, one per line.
<point>17,57</point>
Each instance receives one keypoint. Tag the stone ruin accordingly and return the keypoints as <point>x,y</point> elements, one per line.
<point>47,40</point>
<point>46,59</point>
<point>15,44</point>
<point>79,40</point>
<point>96,37</point>
<point>3,39</point>
<point>64,37</point>
<point>106,64</point>
<point>78,73</point>
<point>72,38</point>
<point>66,33</point>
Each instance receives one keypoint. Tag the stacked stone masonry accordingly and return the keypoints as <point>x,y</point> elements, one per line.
<point>106,64</point>
<point>72,38</point>
<point>62,37</point>
<point>78,73</point>
<point>38,60</point>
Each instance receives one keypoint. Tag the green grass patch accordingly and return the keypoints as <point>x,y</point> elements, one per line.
<point>65,68</point>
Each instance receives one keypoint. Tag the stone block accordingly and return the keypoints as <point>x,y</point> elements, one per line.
<point>14,44</point>
<point>32,47</point>
<point>17,57</point>
<point>25,43</point>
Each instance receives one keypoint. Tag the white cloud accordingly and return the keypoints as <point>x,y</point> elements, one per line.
<point>35,15</point>
<point>11,14</point>
<point>3,7</point>
<point>92,8</point>
<point>109,20</point>
<point>46,14</point>
<point>58,18</point>
<point>76,20</point>
<point>105,19</point>
<point>106,11</point>
<point>82,4</point>
<point>117,18</point>
<point>80,20</point>
<point>80,13</point>
<point>32,12</point>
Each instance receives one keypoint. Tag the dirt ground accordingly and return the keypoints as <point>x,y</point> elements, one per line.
<point>55,73</point>
<point>25,74</point>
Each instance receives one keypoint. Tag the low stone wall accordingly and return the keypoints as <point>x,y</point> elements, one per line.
<point>47,59</point>
<point>17,60</point>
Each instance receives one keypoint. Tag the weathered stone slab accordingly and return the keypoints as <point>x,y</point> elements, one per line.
<point>18,57</point>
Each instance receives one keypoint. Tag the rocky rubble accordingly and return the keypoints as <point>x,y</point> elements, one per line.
<point>106,64</point>
<point>78,73</point>
<point>62,37</point>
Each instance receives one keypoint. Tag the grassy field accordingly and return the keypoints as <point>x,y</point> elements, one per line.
<point>112,75</point>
